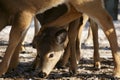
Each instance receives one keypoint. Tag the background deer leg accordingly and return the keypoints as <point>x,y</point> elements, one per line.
<point>103,18</point>
<point>37,26</point>
<point>78,41</point>
<point>72,41</point>
<point>96,56</point>
<point>75,26</point>
<point>89,37</point>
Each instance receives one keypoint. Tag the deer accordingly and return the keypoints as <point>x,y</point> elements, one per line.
<point>79,23</point>
<point>20,17</point>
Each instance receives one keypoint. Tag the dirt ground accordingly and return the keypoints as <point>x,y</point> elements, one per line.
<point>85,70</point>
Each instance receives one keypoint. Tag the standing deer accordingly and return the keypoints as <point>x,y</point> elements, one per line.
<point>20,13</point>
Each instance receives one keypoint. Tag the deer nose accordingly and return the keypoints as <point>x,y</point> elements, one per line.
<point>42,74</point>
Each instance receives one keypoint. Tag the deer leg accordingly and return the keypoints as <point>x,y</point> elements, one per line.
<point>96,56</point>
<point>72,35</point>
<point>36,30</point>
<point>109,30</point>
<point>78,41</point>
<point>66,55</point>
<point>22,48</point>
<point>20,25</point>
<point>37,26</point>
<point>105,20</point>
<point>89,37</point>
<point>15,58</point>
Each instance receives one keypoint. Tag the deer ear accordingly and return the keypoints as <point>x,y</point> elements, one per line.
<point>61,36</point>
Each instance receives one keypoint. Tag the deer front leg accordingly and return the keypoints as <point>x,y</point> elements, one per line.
<point>15,58</point>
<point>20,25</point>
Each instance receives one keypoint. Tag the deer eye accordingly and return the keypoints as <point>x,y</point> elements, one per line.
<point>51,55</point>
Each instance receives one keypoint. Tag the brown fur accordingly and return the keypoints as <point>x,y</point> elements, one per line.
<point>73,28</point>
<point>20,13</point>
<point>66,16</point>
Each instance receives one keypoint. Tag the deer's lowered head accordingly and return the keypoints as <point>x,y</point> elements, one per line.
<point>50,48</point>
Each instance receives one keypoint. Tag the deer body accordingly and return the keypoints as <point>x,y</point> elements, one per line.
<point>31,6</point>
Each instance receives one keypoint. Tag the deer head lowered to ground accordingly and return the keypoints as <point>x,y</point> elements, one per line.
<point>50,48</point>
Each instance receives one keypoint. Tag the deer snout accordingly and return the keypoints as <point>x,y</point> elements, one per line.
<point>42,74</point>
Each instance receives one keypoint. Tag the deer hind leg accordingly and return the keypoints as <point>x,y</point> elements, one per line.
<point>78,41</point>
<point>37,26</point>
<point>21,23</point>
<point>35,63</point>
<point>96,56</point>
<point>73,31</point>
<point>65,59</point>
<point>22,48</point>
<point>94,33</point>
<point>89,37</point>
<point>103,18</point>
